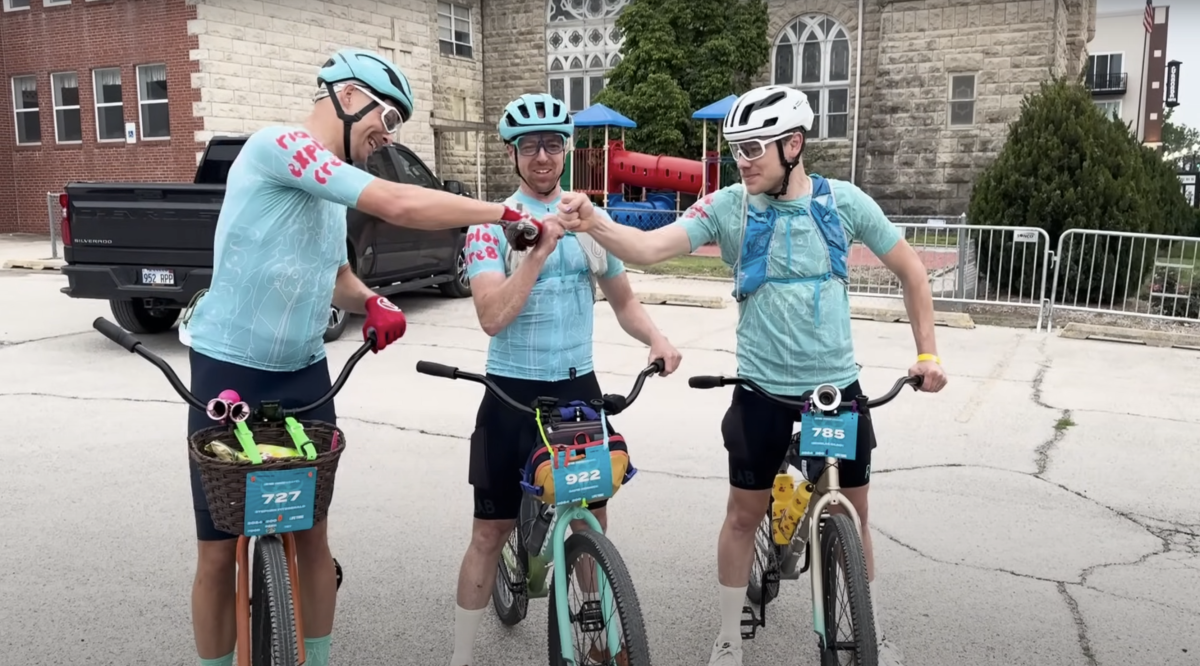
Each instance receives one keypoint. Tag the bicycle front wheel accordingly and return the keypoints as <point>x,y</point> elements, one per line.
<point>272,615</point>
<point>849,619</point>
<point>605,587</point>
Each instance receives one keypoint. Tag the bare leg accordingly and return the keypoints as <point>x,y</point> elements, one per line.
<point>858,497</point>
<point>476,576</point>
<point>318,580</point>
<point>214,622</point>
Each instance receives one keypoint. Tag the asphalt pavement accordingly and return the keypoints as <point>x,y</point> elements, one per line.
<point>1040,510</point>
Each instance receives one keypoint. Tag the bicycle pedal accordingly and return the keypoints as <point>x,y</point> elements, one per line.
<point>590,617</point>
<point>750,624</point>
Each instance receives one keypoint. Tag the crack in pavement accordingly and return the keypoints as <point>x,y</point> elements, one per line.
<point>1081,629</point>
<point>7,344</point>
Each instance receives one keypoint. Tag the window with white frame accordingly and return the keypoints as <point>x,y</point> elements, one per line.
<point>454,30</point>
<point>1111,108</point>
<point>153,110</point>
<point>962,100</point>
<point>25,105</point>
<point>582,44</point>
<point>1106,71</point>
<point>812,54</point>
<point>110,109</point>
<point>68,126</point>
<point>55,3</point>
<point>14,5</point>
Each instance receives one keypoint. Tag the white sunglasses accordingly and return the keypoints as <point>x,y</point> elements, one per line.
<point>390,116</point>
<point>752,149</point>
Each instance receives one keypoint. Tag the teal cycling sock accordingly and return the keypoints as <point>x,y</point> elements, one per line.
<point>316,651</point>
<point>227,660</point>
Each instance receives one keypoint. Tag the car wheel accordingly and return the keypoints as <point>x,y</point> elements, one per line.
<point>460,286</point>
<point>134,316</point>
<point>336,324</point>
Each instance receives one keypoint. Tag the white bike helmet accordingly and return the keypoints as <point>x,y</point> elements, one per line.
<point>767,112</point>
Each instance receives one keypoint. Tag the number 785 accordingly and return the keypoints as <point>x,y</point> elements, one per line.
<point>835,433</point>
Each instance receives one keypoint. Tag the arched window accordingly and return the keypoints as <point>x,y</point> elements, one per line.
<point>813,54</point>
<point>582,44</point>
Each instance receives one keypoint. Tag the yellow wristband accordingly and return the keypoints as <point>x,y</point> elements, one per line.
<point>928,357</point>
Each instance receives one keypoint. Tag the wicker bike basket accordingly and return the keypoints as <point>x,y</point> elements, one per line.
<point>224,482</point>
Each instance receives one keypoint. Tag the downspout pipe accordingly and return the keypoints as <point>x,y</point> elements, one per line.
<point>857,95</point>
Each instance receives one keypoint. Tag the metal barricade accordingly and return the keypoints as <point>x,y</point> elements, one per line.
<point>54,213</point>
<point>976,264</point>
<point>1124,273</point>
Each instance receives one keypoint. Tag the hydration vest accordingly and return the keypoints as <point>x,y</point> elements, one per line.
<point>758,230</point>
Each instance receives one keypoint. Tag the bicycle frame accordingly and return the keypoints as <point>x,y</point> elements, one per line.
<point>268,411</point>
<point>827,487</point>
<point>564,514</point>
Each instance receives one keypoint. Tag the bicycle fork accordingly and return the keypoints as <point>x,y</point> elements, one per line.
<point>813,518</point>
<point>560,586</point>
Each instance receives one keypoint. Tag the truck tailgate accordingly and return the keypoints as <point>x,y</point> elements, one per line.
<point>141,239</point>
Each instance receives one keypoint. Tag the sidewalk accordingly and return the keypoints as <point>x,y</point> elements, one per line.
<point>28,251</point>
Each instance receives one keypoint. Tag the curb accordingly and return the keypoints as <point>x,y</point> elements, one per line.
<point>949,319</point>
<point>1077,331</point>
<point>651,298</point>
<point>35,264</point>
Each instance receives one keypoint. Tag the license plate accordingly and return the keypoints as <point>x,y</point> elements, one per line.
<point>158,276</point>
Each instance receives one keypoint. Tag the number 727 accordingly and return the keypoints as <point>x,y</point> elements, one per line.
<point>280,497</point>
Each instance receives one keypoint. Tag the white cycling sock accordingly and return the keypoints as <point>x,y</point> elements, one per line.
<point>466,625</point>
<point>732,602</point>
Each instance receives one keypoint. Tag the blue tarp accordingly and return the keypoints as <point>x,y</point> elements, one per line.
<point>717,110</point>
<point>598,115</point>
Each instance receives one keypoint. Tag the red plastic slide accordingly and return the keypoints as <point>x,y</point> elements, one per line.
<point>653,172</point>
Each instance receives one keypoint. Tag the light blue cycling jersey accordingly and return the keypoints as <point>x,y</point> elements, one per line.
<point>280,240</point>
<point>553,332</point>
<point>779,342</point>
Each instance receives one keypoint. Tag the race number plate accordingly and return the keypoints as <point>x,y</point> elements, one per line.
<point>828,436</point>
<point>162,277</point>
<point>583,478</point>
<point>280,501</point>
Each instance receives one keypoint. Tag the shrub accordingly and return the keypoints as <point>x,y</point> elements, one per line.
<point>1066,165</point>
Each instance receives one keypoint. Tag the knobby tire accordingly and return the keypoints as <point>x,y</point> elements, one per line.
<point>635,648</point>
<point>841,544</point>
<point>272,615</point>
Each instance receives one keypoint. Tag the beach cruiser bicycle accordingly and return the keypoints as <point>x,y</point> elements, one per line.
<point>798,521</point>
<point>266,474</point>
<point>577,462</point>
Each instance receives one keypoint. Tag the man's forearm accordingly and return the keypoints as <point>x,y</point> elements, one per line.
<point>633,245</point>
<point>349,292</point>
<point>635,321</point>
<point>501,306</point>
<point>918,302</point>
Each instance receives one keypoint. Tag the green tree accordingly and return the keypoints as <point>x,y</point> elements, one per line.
<point>1178,139</point>
<point>1067,165</point>
<point>679,56</point>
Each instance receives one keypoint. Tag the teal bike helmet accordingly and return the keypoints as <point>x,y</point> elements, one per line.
<point>521,117</point>
<point>375,72</point>
<point>534,113</point>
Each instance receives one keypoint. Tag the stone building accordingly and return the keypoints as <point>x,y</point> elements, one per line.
<point>912,120</point>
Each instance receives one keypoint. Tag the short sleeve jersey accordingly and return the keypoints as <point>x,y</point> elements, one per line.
<point>280,239</point>
<point>553,332</point>
<point>781,343</point>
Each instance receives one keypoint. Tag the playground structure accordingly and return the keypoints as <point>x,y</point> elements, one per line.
<point>669,183</point>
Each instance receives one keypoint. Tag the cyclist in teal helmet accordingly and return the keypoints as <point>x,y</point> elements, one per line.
<point>280,260</point>
<point>537,306</point>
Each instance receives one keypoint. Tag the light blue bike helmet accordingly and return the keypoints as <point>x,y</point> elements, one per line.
<point>372,69</point>
<point>521,117</point>
<point>375,72</point>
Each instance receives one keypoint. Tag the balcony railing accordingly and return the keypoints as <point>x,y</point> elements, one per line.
<point>1107,84</point>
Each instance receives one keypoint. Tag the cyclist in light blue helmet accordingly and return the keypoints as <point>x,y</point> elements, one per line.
<point>538,306</point>
<point>280,261</point>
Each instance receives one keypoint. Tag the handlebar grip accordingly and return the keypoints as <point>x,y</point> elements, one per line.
<point>116,334</point>
<point>705,381</point>
<point>657,366</point>
<point>437,369</point>
<point>916,381</point>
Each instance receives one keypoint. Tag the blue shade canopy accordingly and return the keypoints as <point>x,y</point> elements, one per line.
<point>598,115</point>
<point>717,110</point>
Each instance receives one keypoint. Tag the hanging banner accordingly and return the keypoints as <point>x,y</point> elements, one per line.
<point>1172,98</point>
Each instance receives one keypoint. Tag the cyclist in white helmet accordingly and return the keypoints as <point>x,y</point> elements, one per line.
<point>537,306</point>
<point>279,260</point>
<point>787,235</point>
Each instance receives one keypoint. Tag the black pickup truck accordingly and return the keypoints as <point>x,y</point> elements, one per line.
<point>147,248</point>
